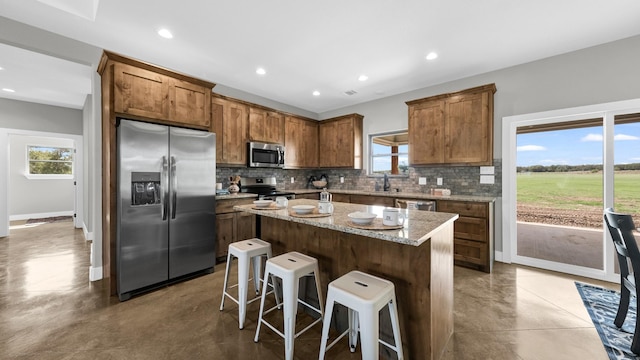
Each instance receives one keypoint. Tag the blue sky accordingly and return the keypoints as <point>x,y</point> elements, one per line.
<point>578,146</point>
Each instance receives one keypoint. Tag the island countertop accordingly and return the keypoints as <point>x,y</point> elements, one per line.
<point>418,227</point>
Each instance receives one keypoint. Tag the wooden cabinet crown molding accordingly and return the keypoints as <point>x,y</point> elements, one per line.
<point>478,89</point>
<point>108,55</point>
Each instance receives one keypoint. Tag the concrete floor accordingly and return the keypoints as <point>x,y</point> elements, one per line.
<point>49,310</point>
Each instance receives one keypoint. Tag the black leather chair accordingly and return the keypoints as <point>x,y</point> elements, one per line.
<point>621,229</point>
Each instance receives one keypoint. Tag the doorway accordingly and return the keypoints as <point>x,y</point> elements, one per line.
<point>5,171</point>
<point>553,205</point>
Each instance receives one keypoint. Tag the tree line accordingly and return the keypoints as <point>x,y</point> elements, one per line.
<point>568,168</point>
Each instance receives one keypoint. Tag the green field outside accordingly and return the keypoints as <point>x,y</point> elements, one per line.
<point>575,190</point>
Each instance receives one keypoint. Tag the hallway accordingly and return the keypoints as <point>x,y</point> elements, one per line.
<point>51,311</point>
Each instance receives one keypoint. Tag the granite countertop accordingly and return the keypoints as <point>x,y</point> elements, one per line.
<point>418,228</point>
<point>400,195</point>
<point>236,196</point>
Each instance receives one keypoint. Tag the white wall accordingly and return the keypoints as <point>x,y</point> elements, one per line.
<point>35,197</point>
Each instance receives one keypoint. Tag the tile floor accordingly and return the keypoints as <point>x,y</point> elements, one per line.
<point>49,310</point>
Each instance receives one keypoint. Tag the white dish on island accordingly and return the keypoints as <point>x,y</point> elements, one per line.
<point>362,218</point>
<point>303,209</point>
<point>262,203</point>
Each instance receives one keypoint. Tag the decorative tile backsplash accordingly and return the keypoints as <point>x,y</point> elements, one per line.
<point>461,180</point>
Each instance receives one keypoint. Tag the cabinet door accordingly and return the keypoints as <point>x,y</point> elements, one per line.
<point>266,126</point>
<point>372,200</point>
<point>468,129</point>
<point>190,104</point>
<point>140,92</point>
<point>225,232</point>
<point>326,137</point>
<point>343,132</point>
<point>310,144</point>
<point>426,133</point>
<point>345,198</point>
<point>231,124</point>
<point>246,226</point>
<point>293,142</point>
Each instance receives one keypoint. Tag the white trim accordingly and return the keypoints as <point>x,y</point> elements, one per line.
<point>88,236</point>
<point>48,176</point>
<point>498,256</point>
<point>40,215</point>
<point>95,273</point>
<point>509,227</point>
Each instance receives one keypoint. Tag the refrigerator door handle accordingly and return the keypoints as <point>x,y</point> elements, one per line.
<point>164,189</point>
<point>174,190</point>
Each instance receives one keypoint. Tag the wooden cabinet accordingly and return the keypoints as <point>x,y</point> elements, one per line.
<point>473,233</point>
<point>266,126</point>
<point>230,122</point>
<point>340,142</point>
<point>372,200</point>
<point>345,198</point>
<point>232,226</point>
<point>301,143</point>
<point>312,196</point>
<point>454,128</point>
<point>152,95</point>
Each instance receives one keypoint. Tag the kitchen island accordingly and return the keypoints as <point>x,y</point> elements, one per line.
<point>418,259</point>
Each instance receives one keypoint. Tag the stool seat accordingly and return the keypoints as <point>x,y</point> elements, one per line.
<point>290,267</point>
<point>247,252</point>
<point>364,295</point>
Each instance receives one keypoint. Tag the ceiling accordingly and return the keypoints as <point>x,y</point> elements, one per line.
<point>308,46</point>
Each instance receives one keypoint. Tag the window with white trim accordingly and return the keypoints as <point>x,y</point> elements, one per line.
<point>49,161</point>
<point>389,153</point>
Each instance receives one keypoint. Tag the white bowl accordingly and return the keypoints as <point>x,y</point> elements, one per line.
<point>362,218</point>
<point>262,203</point>
<point>303,209</point>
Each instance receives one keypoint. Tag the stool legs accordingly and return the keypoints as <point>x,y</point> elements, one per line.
<point>353,330</point>
<point>395,325</point>
<point>326,323</point>
<point>243,279</point>
<point>369,330</point>
<point>289,313</point>
<point>226,280</point>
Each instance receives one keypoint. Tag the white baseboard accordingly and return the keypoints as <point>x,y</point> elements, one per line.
<point>88,236</point>
<point>95,273</point>
<point>40,215</point>
<point>498,256</point>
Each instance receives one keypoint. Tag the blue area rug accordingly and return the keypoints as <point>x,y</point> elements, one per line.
<point>602,305</point>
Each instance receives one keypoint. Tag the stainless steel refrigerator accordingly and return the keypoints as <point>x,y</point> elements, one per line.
<point>166,205</point>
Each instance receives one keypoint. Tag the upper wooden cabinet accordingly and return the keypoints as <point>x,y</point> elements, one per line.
<point>143,91</point>
<point>230,122</point>
<point>301,143</point>
<point>266,126</point>
<point>454,128</point>
<point>340,142</point>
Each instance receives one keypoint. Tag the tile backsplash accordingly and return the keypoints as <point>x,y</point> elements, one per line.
<point>461,180</point>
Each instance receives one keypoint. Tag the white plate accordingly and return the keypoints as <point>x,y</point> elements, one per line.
<point>303,209</point>
<point>362,218</point>
<point>262,203</point>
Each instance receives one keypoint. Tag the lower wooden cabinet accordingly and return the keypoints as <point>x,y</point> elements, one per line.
<point>372,200</point>
<point>312,196</point>
<point>473,233</point>
<point>232,226</point>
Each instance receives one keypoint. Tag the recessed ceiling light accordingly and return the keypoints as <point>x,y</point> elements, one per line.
<point>261,71</point>
<point>165,33</point>
<point>363,77</point>
<point>316,93</point>
<point>1,68</point>
<point>8,90</point>
<point>432,56</point>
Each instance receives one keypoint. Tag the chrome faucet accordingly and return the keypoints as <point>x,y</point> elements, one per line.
<point>386,186</point>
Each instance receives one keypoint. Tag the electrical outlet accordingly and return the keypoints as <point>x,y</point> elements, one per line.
<point>422,181</point>
<point>341,179</point>
<point>293,180</point>
<point>439,181</point>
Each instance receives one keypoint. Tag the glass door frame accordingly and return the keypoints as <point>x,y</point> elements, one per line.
<point>510,124</point>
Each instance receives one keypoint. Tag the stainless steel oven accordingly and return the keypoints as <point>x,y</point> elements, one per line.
<point>265,155</point>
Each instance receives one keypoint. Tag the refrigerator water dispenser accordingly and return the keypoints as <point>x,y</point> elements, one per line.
<point>145,188</point>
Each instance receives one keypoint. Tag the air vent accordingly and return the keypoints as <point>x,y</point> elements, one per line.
<point>351,92</point>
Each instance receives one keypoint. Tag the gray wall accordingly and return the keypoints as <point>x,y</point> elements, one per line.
<point>36,196</point>
<point>24,115</point>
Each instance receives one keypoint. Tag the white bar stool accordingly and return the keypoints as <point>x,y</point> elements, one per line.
<point>290,267</point>
<point>365,295</point>
<point>246,251</point>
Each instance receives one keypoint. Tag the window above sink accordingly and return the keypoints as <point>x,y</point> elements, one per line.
<point>389,154</point>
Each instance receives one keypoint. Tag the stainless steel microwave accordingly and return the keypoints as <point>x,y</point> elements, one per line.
<point>265,155</point>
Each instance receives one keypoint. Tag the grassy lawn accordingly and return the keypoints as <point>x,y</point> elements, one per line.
<point>577,190</point>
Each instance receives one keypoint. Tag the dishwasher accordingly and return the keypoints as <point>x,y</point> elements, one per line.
<point>426,205</point>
